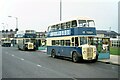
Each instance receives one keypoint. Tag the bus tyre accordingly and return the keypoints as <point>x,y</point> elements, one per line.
<point>53,54</point>
<point>18,48</point>
<point>75,57</point>
<point>24,48</point>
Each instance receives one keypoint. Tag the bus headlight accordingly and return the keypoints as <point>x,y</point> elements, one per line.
<point>84,52</point>
<point>25,45</point>
<point>94,51</point>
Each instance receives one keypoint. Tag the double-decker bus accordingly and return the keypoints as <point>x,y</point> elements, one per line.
<point>74,39</point>
<point>26,40</point>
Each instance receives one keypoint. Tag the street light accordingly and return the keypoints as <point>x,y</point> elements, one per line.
<point>60,10</point>
<point>14,41</point>
<point>16,23</point>
<point>3,31</point>
<point>3,26</point>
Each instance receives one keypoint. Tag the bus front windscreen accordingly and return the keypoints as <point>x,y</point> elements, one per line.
<point>27,40</point>
<point>90,40</point>
<point>83,40</point>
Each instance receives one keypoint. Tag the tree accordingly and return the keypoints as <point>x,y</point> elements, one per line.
<point>6,30</point>
<point>3,31</point>
<point>11,30</point>
<point>16,29</point>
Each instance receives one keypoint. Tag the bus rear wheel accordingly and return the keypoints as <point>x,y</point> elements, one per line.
<point>53,54</point>
<point>18,48</point>
<point>75,57</point>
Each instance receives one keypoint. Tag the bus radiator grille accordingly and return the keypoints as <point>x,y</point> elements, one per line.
<point>90,52</point>
<point>30,45</point>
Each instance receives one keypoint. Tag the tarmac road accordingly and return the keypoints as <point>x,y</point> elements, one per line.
<point>35,64</point>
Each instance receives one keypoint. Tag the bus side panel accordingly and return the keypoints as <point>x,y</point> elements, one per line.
<point>67,50</point>
<point>50,48</point>
<point>64,50</point>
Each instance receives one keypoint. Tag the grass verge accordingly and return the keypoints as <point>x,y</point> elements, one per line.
<point>115,51</point>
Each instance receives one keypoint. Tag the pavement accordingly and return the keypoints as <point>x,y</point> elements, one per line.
<point>114,59</point>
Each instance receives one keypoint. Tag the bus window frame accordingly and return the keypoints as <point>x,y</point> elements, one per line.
<point>88,23</point>
<point>82,41</point>
<point>62,42</point>
<point>76,41</point>
<point>90,40</point>
<point>80,24</point>
<point>63,25</point>
<point>74,24</point>
<point>68,25</point>
<point>66,42</point>
<point>53,42</point>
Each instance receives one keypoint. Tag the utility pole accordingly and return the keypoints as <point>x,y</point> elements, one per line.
<point>60,10</point>
<point>16,23</point>
<point>4,30</point>
<point>14,40</point>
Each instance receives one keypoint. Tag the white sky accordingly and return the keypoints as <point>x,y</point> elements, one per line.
<point>38,14</point>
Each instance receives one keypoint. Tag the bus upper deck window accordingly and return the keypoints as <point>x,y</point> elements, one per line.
<point>82,23</point>
<point>74,23</point>
<point>57,27</point>
<point>68,25</point>
<point>49,28</point>
<point>91,23</point>
<point>62,26</point>
<point>53,28</point>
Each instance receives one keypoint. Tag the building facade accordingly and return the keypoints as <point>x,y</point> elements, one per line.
<point>114,37</point>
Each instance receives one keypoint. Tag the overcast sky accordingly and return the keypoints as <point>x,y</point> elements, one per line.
<point>38,14</point>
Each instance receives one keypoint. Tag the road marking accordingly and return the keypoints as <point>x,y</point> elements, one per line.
<point>39,65</point>
<point>13,55</point>
<point>17,57</point>
<point>25,60</point>
<point>22,59</point>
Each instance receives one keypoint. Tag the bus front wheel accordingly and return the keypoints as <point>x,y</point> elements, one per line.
<point>53,54</point>
<point>75,57</point>
<point>95,60</point>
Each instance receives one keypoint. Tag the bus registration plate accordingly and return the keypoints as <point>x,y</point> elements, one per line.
<point>89,58</point>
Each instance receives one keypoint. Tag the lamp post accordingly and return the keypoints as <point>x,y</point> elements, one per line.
<point>16,23</point>
<point>60,10</point>
<point>3,26</point>
<point>3,30</point>
<point>15,29</point>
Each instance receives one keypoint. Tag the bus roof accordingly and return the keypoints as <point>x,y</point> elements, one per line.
<point>26,31</point>
<point>71,19</point>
